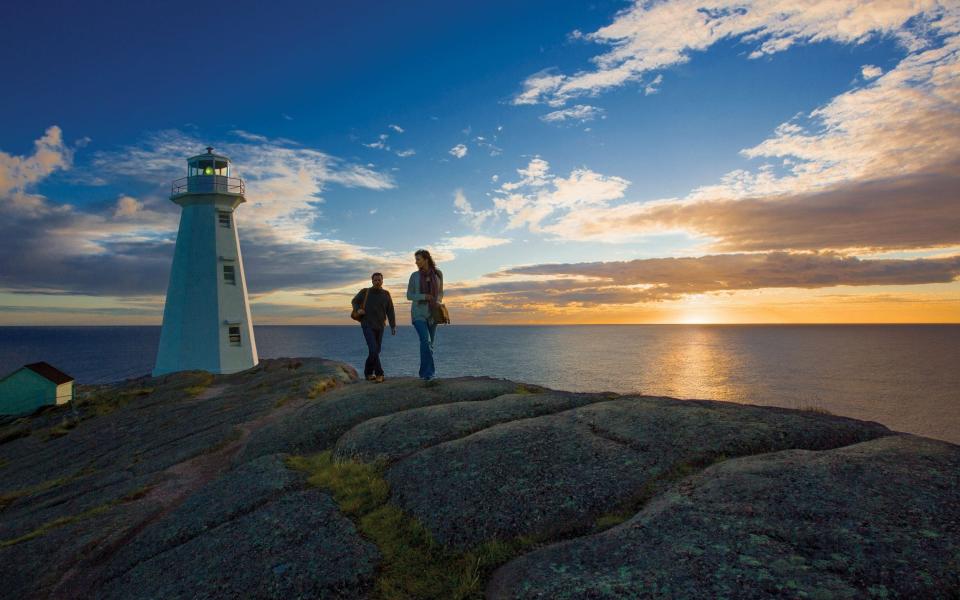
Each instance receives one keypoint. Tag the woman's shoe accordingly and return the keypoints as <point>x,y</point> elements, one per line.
<point>371,377</point>
<point>379,378</point>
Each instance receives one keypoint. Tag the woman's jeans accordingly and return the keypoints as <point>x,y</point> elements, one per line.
<point>427,330</point>
<point>374,339</point>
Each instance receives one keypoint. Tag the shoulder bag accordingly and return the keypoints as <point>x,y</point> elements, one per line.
<point>440,314</point>
<point>355,314</point>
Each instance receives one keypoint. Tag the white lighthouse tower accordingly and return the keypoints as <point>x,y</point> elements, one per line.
<point>206,320</point>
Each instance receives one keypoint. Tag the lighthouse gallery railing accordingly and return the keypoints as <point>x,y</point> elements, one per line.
<point>207,184</point>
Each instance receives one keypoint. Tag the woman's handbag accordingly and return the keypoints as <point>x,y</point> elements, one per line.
<point>355,314</point>
<point>440,314</point>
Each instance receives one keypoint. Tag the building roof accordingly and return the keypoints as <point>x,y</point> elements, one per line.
<point>49,371</point>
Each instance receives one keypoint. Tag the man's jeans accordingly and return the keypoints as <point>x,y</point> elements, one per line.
<point>428,333</point>
<point>374,339</point>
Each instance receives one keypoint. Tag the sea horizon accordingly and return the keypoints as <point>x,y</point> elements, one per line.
<point>898,374</point>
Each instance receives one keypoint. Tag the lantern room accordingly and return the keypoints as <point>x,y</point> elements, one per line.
<point>207,174</point>
<point>208,164</point>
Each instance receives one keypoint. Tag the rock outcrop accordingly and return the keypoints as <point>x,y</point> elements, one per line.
<point>184,486</point>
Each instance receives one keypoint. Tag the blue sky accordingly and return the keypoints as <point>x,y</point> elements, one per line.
<point>666,161</point>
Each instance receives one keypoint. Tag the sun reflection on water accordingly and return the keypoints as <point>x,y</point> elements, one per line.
<point>698,366</point>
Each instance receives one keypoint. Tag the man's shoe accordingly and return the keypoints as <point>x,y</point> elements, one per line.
<point>371,377</point>
<point>379,378</point>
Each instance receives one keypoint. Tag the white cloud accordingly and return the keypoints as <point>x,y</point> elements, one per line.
<point>463,207</point>
<point>579,113</point>
<point>870,168</point>
<point>50,154</point>
<point>658,279</point>
<point>396,128</point>
<point>870,71</point>
<point>907,121</point>
<point>459,151</point>
<point>380,144</point>
<point>250,137</point>
<point>652,36</point>
<point>540,195</point>
<point>654,86</point>
<point>471,242</point>
<point>406,153</point>
<point>127,206</point>
<point>124,248</point>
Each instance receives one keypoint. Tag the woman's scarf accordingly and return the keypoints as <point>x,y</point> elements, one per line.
<point>430,285</point>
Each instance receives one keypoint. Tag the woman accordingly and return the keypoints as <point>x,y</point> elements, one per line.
<point>425,291</point>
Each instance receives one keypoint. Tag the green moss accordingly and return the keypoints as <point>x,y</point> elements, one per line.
<point>523,388</point>
<point>15,431</point>
<point>320,387</point>
<point>235,434</point>
<point>358,488</point>
<point>414,565</point>
<point>50,525</point>
<point>9,498</point>
<point>106,402</point>
<point>196,382</point>
<point>137,494</point>
<point>653,487</point>
<point>61,429</point>
<point>611,519</point>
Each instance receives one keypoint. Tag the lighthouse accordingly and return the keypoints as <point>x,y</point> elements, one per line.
<point>206,319</point>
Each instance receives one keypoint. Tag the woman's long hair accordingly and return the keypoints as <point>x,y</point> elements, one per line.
<point>426,254</point>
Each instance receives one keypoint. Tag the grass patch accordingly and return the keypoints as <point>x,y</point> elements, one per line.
<point>50,525</point>
<point>138,493</point>
<point>18,429</point>
<point>4,462</point>
<point>196,382</point>
<point>358,488</point>
<point>9,498</point>
<point>655,486</point>
<point>524,388</point>
<point>320,387</point>
<point>816,410</point>
<point>234,435</point>
<point>105,403</point>
<point>61,429</point>
<point>414,564</point>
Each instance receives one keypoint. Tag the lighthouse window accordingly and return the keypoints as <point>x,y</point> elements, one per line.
<point>229,275</point>
<point>224,219</point>
<point>234,336</point>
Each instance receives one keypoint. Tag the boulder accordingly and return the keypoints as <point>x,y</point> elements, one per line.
<point>878,519</point>
<point>317,425</point>
<point>298,546</point>
<point>553,474</point>
<point>391,437</point>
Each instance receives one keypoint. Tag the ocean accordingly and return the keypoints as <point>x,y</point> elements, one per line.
<point>904,376</point>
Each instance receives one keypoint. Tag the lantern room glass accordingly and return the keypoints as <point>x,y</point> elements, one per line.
<point>208,166</point>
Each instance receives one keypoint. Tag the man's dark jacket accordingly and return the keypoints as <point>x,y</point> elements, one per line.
<point>379,308</point>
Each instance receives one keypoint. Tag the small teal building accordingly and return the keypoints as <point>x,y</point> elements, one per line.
<point>32,386</point>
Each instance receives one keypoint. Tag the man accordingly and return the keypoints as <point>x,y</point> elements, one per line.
<point>375,305</point>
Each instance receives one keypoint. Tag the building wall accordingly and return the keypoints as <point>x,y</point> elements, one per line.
<point>189,338</point>
<point>64,392</point>
<point>201,306</point>
<point>24,391</point>
<point>234,304</point>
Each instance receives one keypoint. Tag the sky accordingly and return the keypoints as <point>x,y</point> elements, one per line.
<point>565,162</point>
